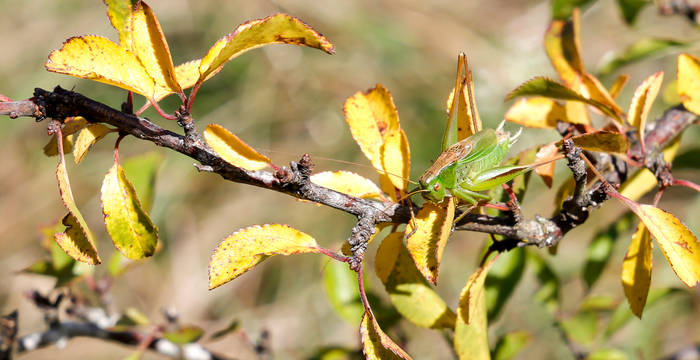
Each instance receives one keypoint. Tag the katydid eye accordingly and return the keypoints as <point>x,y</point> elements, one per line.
<point>436,187</point>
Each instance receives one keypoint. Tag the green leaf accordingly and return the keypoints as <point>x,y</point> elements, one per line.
<point>623,314</point>
<point>184,335</point>
<point>607,354</point>
<point>471,330</point>
<point>119,13</point>
<point>340,284</point>
<point>142,170</point>
<point>601,248</point>
<point>582,327</point>
<point>275,29</point>
<point>631,8</point>
<point>640,50</point>
<point>562,9</point>
<point>542,86</point>
<point>129,226</point>
<point>407,288</point>
<point>548,295</point>
<point>231,327</point>
<point>502,279</point>
<point>510,344</point>
<point>376,345</point>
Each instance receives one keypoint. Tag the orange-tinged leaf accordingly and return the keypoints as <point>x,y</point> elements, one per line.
<point>433,226</point>
<point>98,58</point>
<point>408,291</point>
<point>644,180</point>
<point>275,29</point>
<point>150,46</point>
<point>242,250</point>
<point>618,85</point>
<point>186,75</point>
<point>129,226</point>
<point>602,141</point>
<point>537,112</point>
<point>396,160</point>
<point>77,241</point>
<point>689,81</point>
<point>594,90</point>
<point>577,113</point>
<point>348,183</point>
<point>461,123</point>
<point>234,150</point>
<point>376,345</point>
<point>563,48</point>
<point>546,172</point>
<point>73,124</point>
<point>636,270</point>
<point>679,245</point>
<point>119,13</point>
<point>86,138</point>
<point>471,332</point>
<point>643,98</point>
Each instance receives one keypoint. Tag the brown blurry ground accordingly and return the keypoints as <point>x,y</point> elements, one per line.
<point>289,100</point>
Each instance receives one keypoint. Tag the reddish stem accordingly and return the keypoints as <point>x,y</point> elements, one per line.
<point>4,98</point>
<point>116,148</point>
<point>688,184</point>
<point>333,255</point>
<point>193,93</point>
<point>143,108</point>
<point>361,286</point>
<point>161,112</point>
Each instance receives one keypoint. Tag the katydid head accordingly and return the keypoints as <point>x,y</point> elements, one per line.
<point>433,189</point>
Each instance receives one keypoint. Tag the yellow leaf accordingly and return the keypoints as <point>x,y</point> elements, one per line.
<point>245,248</point>
<point>618,85</point>
<point>577,113</point>
<point>689,81</point>
<point>411,295</point>
<point>51,147</point>
<point>396,160</point>
<point>374,124</point>
<point>97,58</point>
<point>119,13</point>
<point>77,241</point>
<point>86,138</point>
<point>348,183</point>
<point>150,46</point>
<point>602,141</point>
<point>129,226</point>
<point>275,29</point>
<point>643,98</point>
<point>73,124</point>
<point>643,180</point>
<point>563,48</point>
<point>591,88</point>
<point>679,245</point>
<point>234,150</point>
<point>460,114</point>
<point>546,172</point>
<point>636,270</point>
<point>376,345</point>
<point>433,225</point>
<point>186,75</point>
<point>537,112</point>
<point>471,332</point>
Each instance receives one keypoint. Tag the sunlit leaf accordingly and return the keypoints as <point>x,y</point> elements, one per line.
<point>242,250</point>
<point>234,150</point>
<point>186,75</point>
<point>374,124</point>
<point>542,86</point>
<point>689,81</point>
<point>601,248</point>
<point>562,9</point>
<point>150,46</point>
<point>184,334</point>
<point>119,12</point>
<point>636,270</point>
<point>546,172</point>
<point>98,58</point>
<point>608,354</point>
<point>618,85</point>
<point>537,112</point>
<point>376,345</point>
<point>461,123</point>
<point>640,50</point>
<point>340,284</point>
<point>563,47</point>
<point>594,90</point>
<point>510,344</point>
<point>643,181</point>
<point>142,170</point>
<point>602,141</point>
<point>129,226</point>
<point>407,288</point>
<point>77,240</point>
<point>86,138</point>
<point>679,245</point>
<point>577,113</point>
<point>471,331</point>
<point>275,29</point>
<point>348,183</point>
<point>432,225</point>
<point>643,98</point>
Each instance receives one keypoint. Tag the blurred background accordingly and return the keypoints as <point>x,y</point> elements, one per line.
<point>288,100</point>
